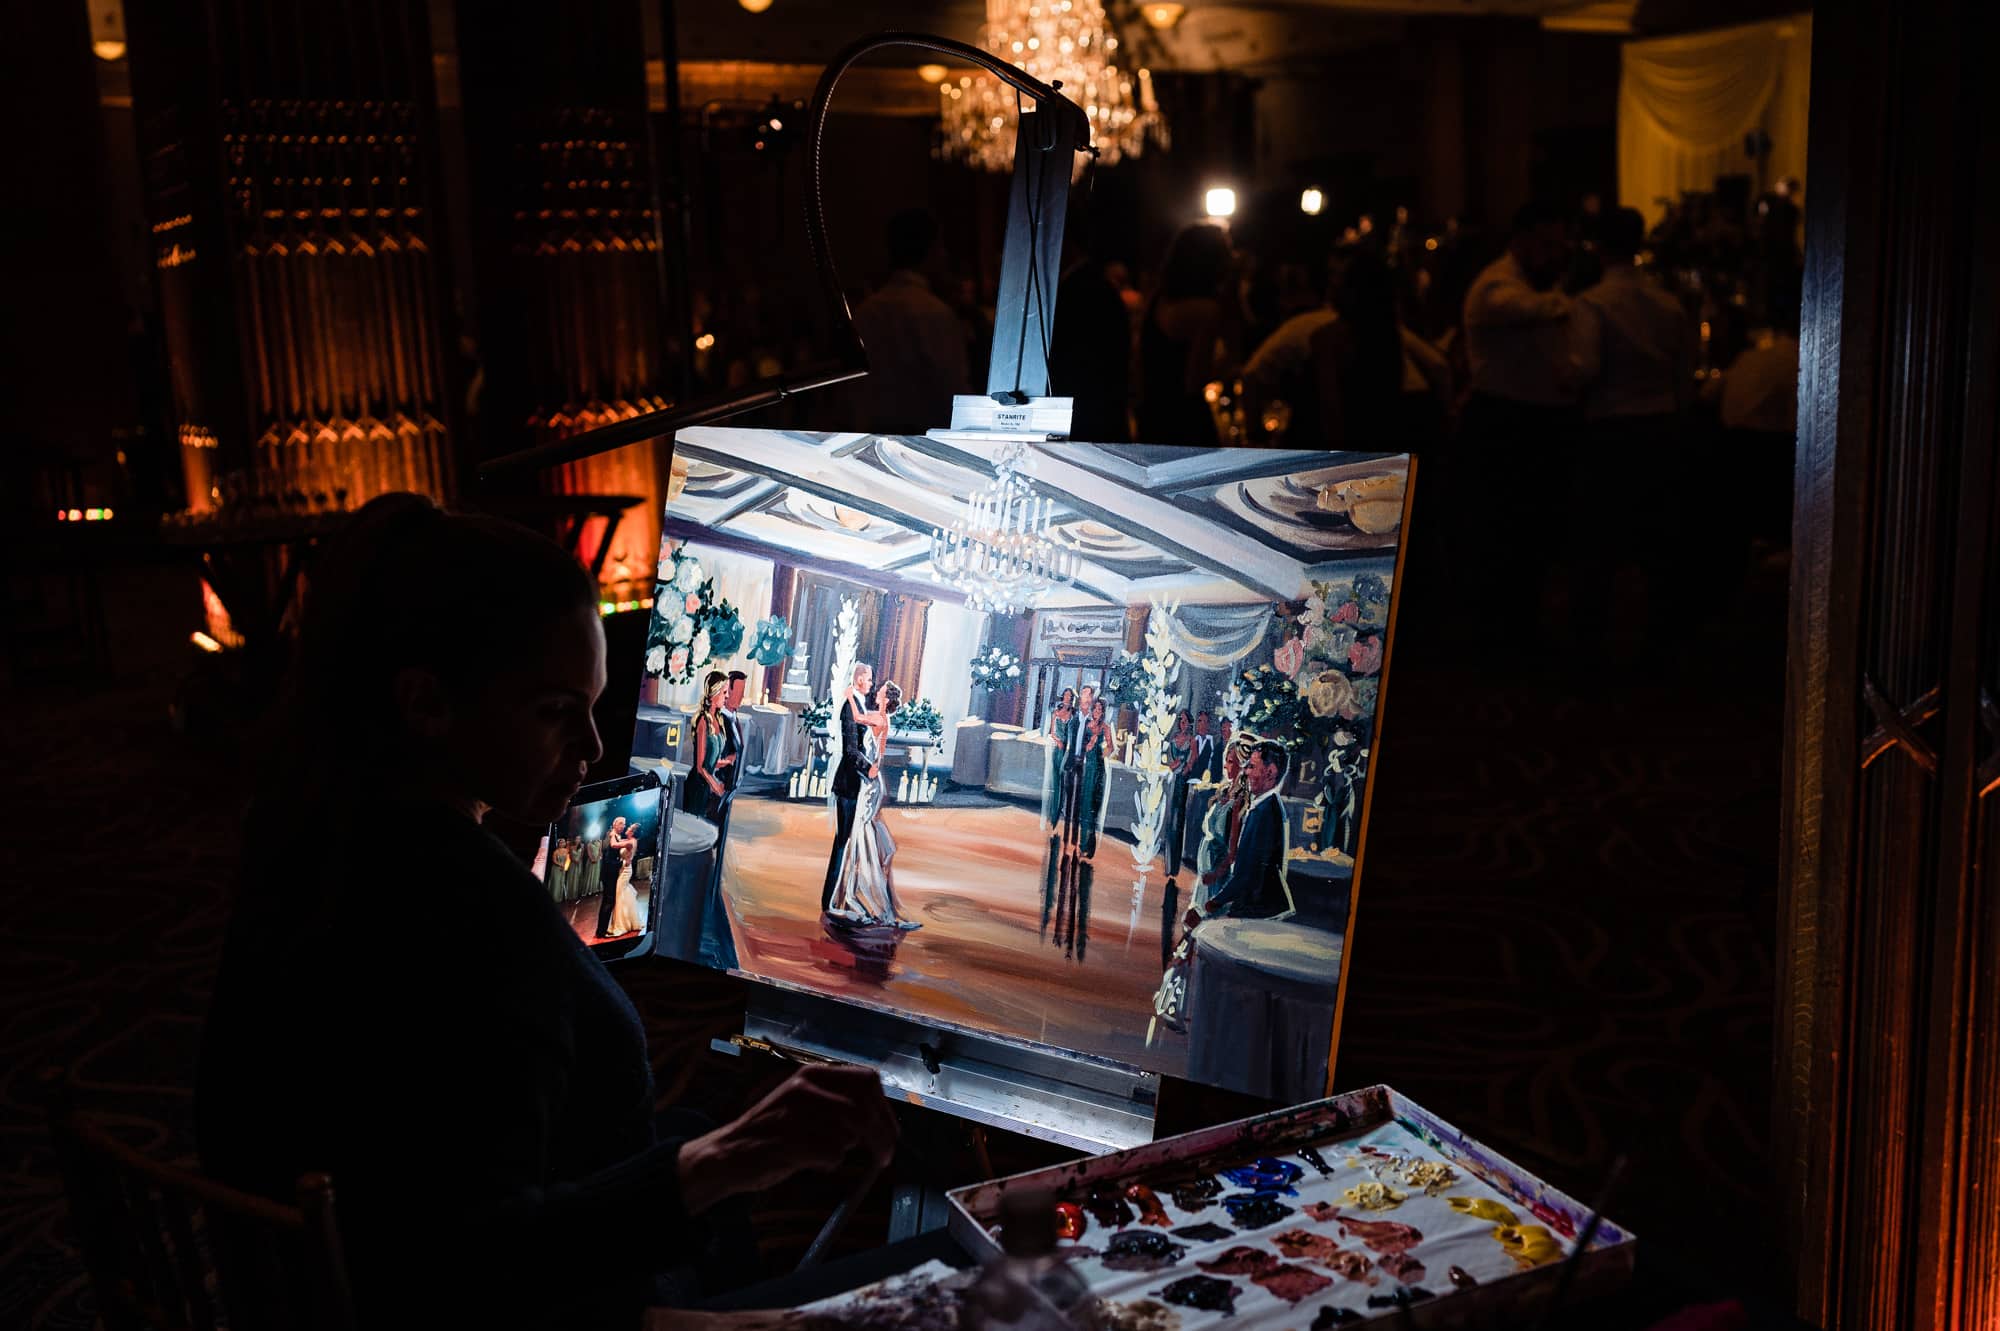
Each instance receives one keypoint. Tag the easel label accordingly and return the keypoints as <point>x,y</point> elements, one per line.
<point>1011,418</point>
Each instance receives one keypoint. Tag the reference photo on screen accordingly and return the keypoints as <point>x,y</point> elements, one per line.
<point>1062,743</point>
<point>602,860</point>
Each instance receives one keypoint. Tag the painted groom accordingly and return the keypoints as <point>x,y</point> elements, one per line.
<point>1256,886</point>
<point>847,776</point>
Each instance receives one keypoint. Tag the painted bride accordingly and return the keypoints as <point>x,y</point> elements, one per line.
<point>865,891</point>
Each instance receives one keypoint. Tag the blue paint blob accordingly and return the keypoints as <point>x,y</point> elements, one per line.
<point>1266,1175</point>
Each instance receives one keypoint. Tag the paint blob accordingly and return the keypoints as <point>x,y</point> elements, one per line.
<point>1140,1315</point>
<point>1204,1292</point>
<point>1193,1194</point>
<point>1332,1315</point>
<point>1070,1223</point>
<point>1291,1283</point>
<point>1317,1161</point>
<point>1254,1210</point>
<point>1402,1298</point>
<point>1241,1260</point>
<point>1375,1197</point>
<point>1108,1207</point>
<point>1351,1264</point>
<point>1481,1208</point>
<point>1384,1236</point>
<point>1461,1277</point>
<point>1322,1211</point>
<point>1304,1243</point>
<point>1203,1233</point>
<point>1150,1210</point>
<point>1267,1174</point>
<point>1529,1245</point>
<point>1402,1266</point>
<point>1138,1250</point>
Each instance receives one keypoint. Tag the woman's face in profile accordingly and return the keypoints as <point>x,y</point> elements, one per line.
<point>523,743</point>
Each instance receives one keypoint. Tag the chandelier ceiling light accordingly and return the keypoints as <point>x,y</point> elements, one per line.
<point>1001,551</point>
<point>1065,43</point>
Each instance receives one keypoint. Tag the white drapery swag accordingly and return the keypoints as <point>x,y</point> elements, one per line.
<point>1215,637</point>
<point>1685,104</point>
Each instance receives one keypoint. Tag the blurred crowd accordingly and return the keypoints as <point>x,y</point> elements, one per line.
<point>1595,403</point>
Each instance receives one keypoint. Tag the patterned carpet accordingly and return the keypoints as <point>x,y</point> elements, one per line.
<point>1564,940</point>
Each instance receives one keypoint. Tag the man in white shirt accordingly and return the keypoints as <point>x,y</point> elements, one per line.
<point>1521,340</point>
<point>1640,341</point>
<point>916,344</point>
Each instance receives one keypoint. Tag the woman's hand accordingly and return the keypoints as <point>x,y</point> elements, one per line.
<point>713,784</point>
<point>817,1119</point>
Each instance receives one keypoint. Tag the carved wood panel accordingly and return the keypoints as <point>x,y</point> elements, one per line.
<point>1887,1072</point>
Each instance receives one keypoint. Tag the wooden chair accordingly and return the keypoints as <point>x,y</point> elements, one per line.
<point>169,1250</point>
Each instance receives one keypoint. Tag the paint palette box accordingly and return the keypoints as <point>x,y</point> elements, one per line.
<point>1349,1209</point>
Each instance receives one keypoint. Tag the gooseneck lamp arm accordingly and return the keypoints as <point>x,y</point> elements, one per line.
<point>1045,143</point>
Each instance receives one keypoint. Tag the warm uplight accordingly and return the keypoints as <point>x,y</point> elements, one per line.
<point>108,50</point>
<point>1221,202</point>
<point>932,73</point>
<point>1163,16</point>
<point>1430,242</point>
<point>704,342</point>
<point>755,6</point>
<point>203,641</point>
<point>1311,201</point>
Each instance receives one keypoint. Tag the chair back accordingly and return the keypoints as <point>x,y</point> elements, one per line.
<point>167,1249</point>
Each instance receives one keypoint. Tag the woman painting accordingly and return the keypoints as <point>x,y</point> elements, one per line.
<point>487,1108</point>
<point>1096,739</point>
<point>1180,762</point>
<point>702,790</point>
<point>1062,729</point>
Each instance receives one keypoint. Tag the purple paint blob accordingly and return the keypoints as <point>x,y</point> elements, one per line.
<point>1205,1232</point>
<point>1140,1250</point>
<point>1333,1315</point>
<point>1254,1210</point>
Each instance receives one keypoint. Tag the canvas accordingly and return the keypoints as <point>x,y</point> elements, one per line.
<point>1065,744</point>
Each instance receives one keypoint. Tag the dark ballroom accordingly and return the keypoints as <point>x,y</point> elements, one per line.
<point>727,664</point>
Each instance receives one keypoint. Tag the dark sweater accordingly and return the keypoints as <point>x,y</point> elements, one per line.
<point>414,1018</point>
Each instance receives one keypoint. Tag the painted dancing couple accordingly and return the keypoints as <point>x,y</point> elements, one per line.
<point>860,881</point>
<point>1073,791</point>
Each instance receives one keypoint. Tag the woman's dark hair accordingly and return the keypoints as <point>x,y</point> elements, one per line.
<point>892,696</point>
<point>1196,262</point>
<point>405,584</point>
<point>1364,296</point>
<point>1066,693</point>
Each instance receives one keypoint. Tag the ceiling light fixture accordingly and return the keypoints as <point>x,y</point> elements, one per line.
<point>755,6</point>
<point>1072,46</point>
<point>932,73</point>
<point>1220,202</point>
<point>1311,201</point>
<point>1002,551</point>
<point>1163,17</point>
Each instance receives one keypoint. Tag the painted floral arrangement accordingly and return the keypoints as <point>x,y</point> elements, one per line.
<point>813,718</point>
<point>920,718</point>
<point>995,668</point>
<point>691,626</point>
<point>773,641</point>
<point>1126,683</point>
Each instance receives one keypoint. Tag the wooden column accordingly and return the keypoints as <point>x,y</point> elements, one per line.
<point>1887,1073</point>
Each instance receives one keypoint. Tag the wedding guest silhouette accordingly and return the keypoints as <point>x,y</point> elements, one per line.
<point>847,776</point>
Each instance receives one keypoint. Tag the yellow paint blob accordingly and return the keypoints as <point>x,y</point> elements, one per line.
<point>1480,1208</point>
<point>1530,1245</point>
<point>1375,1197</point>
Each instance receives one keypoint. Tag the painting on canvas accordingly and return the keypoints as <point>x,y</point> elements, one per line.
<point>1062,743</point>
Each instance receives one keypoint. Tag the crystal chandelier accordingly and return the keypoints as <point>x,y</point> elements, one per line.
<point>1000,551</point>
<point>1066,43</point>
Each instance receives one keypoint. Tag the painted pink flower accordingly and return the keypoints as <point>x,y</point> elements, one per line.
<point>1290,656</point>
<point>694,603</point>
<point>678,661</point>
<point>1365,656</point>
<point>1349,613</point>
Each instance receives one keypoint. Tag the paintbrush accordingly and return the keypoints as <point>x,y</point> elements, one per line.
<point>1567,1274</point>
<point>838,1220</point>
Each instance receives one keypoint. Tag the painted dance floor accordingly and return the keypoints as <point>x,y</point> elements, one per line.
<point>1013,940</point>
